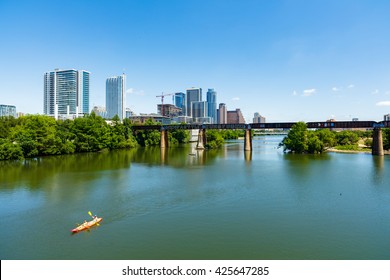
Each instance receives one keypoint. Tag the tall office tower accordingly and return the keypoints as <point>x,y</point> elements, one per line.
<point>257,118</point>
<point>66,92</point>
<point>193,95</point>
<point>116,97</point>
<point>212,105</point>
<point>7,111</point>
<point>386,117</point>
<point>222,113</point>
<point>235,117</point>
<point>180,101</point>
<point>199,109</point>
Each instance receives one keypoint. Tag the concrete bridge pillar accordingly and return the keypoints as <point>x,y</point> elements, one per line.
<point>164,139</point>
<point>201,139</point>
<point>248,140</point>
<point>377,142</point>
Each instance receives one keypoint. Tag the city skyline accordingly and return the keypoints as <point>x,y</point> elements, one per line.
<point>290,61</point>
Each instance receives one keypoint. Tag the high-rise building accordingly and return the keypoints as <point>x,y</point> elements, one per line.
<point>66,92</point>
<point>7,111</point>
<point>235,117</point>
<point>222,113</point>
<point>386,117</point>
<point>193,95</point>
<point>116,97</point>
<point>212,105</point>
<point>180,101</point>
<point>257,118</point>
<point>199,109</point>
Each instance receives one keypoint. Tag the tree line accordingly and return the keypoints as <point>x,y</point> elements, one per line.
<point>39,135</point>
<point>301,140</point>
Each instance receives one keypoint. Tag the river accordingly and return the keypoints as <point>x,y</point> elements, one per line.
<point>224,204</point>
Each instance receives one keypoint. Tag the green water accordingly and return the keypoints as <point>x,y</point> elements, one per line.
<point>215,205</point>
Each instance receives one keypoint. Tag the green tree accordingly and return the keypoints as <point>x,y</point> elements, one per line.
<point>91,134</point>
<point>214,139</point>
<point>296,139</point>
<point>327,137</point>
<point>314,144</point>
<point>10,151</point>
<point>386,138</point>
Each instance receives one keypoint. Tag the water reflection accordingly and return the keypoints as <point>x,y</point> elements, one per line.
<point>33,172</point>
<point>378,168</point>
<point>248,155</point>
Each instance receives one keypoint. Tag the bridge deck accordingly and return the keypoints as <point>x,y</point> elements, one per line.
<point>281,125</point>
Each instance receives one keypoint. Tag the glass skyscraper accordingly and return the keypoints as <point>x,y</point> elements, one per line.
<point>116,97</point>
<point>180,102</point>
<point>66,92</point>
<point>212,105</point>
<point>193,95</point>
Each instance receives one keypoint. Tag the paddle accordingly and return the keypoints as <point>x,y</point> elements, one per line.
<point>89,212</point>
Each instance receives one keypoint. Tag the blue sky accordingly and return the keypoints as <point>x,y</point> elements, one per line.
<point>288,60</point>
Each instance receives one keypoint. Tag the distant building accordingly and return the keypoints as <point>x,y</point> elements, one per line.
<point>202,120</point>
<point>212,105</point>
<point>142,118</point>
<point>129,113</point>
<point>386,117</point>
<point>7,111</point>
<point>193,95</point>
<point>66,92</point>
<point>100,111</point>
<point>116,97</point>
<point>199,109</point>
<point>179,100</point>
<point>169,110</point>
<point>182,119</point>
<point>257,118</point>
<point>222,113</point>
<point>355,119</point>
<point>235,117</point>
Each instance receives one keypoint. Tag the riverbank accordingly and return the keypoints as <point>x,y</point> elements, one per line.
<point>386,152</point>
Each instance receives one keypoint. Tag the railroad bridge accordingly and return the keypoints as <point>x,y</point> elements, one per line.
<point>377,148</point>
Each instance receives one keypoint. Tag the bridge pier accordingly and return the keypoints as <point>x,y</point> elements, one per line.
<point>248,140</point>
<point>201,139</point>
<point>377,142</point>
<point>164,139</point>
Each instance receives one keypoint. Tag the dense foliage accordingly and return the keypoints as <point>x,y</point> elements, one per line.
<point>302,140</point>
<point>386,138</point>
<point>214,139</point>
<point>38,135</point>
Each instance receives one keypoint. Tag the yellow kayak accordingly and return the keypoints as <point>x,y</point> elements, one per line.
<point>87,225</point>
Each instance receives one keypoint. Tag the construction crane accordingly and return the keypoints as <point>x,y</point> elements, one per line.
<point>162,101</point>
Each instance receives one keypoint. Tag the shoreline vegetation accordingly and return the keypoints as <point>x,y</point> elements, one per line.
<point>301,140</point>
<point>39,135</point>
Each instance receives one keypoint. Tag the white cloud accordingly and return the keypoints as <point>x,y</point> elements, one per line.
<point>236,98</point>
<point>336,89</point>
<point>375,92</point>
<point>383,103</point>
<point>294,93</point>
<point>351,86</point>
<point>309,92</point>
<point>130,91</point>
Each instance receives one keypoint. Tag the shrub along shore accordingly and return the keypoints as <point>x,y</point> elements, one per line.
<point>301,140</point>
<point>38,135</point>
